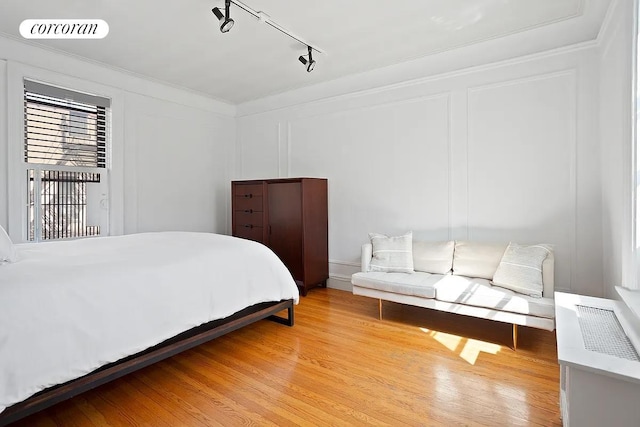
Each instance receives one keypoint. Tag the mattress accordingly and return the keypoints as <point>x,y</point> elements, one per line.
<point>69,307</point>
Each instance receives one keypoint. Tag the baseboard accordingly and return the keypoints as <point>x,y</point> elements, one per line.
<point>340,282</point>
<point>340,274</point>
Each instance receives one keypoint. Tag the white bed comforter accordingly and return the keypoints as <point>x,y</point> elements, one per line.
<point>67,308</point>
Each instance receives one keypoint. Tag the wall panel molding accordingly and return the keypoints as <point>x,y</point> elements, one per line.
<point>409,157</point>
<point>511,82</point>
<point>572,150</point>
<point>279,125</point>
<point>336,110</point>
<point>449,166</point>
<point>608,26</point>
<point>268,104</point>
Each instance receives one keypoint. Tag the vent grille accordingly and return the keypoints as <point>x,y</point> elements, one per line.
<point>602,333</point>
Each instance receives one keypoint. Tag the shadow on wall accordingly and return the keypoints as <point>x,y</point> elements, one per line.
<point>612,263</point>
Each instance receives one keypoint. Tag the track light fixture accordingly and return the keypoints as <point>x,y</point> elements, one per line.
<point>309,63</point>
<point>226,23</point>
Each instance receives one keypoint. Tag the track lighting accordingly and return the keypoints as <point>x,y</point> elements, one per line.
<point>310,63</point>
<point>226,23</point>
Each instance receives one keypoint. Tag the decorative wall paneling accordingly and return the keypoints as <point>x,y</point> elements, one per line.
<point>504,152</point>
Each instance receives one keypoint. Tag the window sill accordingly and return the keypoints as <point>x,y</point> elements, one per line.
<point>631,298</point>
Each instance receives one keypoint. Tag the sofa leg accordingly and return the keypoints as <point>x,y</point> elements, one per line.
<point>380,309</point>
<point>515,336</point>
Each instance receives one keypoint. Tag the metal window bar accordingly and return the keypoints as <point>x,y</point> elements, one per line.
<point>63,204</point>
<point>31,205</point>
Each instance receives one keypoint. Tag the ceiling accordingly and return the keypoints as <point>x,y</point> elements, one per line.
<point>178,42</point>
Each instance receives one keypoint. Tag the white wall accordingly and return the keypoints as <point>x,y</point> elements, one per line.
<point>616,98</point>
<point>179,175</point>
<point>172,147</point>
<point>505,152</point>
<point>3,144</point>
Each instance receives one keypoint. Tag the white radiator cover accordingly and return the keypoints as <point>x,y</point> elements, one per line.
<point>599,364</point>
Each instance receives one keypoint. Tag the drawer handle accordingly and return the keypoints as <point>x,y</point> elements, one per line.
<point>248,196</point>
<point>248,211</point>
<point>248,226</point>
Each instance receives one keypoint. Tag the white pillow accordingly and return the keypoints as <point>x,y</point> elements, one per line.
<point>7,250</point>
<point>521,269</point>
<point>433,257</point>
<point>391,254</point>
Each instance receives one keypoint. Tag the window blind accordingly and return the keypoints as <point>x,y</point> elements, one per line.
<point>64,127</point>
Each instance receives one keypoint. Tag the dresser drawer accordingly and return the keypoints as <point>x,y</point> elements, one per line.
<point>250,232</point>
<point>246,203</point>
<point>247,190</point>
<point>248,217</point>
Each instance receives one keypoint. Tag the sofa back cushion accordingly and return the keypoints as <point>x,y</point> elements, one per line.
<point>433,257</point>
<point>474,259</point>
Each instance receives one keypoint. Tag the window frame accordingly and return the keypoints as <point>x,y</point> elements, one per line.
<point>102,140</point>
<point>16,164</point>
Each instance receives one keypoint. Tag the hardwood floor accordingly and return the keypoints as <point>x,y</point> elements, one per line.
<point>339,365</point>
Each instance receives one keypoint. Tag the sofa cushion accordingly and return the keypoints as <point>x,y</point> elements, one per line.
<point>473,259</point>
<point>521,269</point>
<point>433,257</point>
<point>418,284</point>
<point>391,254</point>
<point>479,292</point>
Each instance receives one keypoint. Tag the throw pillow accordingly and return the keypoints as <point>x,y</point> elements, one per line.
<point>391,254</point>
<point>521,269</point>
<point>7,250</point>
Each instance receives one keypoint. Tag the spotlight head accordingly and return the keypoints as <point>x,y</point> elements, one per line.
<point>226,23</point>
<point>309,63</point>
<point>310,66</point>
<point>216,11</point>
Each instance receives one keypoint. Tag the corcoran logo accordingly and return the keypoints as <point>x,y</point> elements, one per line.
<point>64,29</point>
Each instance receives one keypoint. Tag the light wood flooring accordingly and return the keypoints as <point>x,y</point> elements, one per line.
<point>339,365</point>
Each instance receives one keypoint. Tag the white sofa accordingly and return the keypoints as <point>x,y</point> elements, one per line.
<point>456,277</point>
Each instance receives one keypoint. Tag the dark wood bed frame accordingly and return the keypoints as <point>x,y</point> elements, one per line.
<point>168,348</point>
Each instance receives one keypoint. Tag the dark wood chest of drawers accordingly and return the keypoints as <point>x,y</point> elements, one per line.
<point>290,217</point>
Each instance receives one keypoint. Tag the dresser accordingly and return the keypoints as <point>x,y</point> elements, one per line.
<point>289,216</point>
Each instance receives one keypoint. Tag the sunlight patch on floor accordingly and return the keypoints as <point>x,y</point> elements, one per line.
<point>470,348</point>
<point>447,340</point>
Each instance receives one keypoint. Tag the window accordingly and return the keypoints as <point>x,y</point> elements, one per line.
<point>65,156</point>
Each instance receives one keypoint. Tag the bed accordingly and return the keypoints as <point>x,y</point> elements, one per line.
<point>76,314</point>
